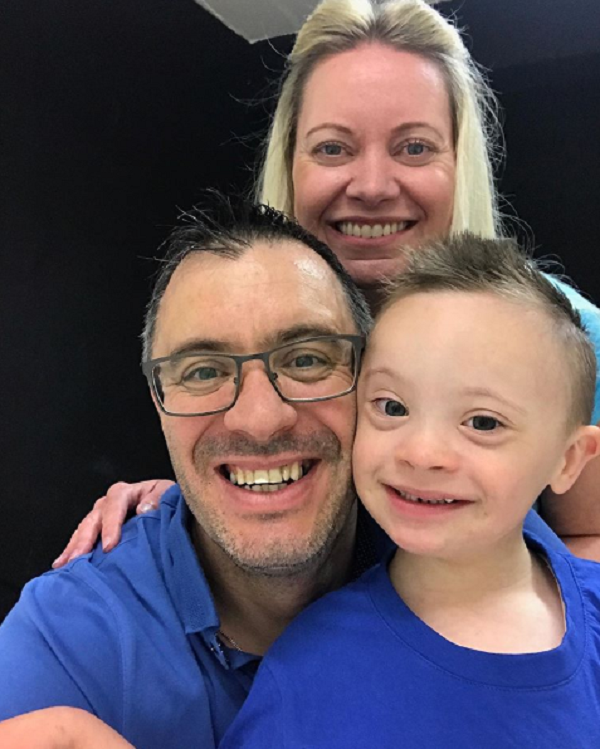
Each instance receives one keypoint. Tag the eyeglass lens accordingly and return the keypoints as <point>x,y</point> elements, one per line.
<point>303,370</point>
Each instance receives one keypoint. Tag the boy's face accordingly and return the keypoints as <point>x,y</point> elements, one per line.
<point>463,397</point>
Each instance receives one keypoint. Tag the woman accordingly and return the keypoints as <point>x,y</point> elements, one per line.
<point>383,138</point>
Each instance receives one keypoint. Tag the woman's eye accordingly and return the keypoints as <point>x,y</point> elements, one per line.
<point>391,407</point>
<point>484,423</point>
<point>416,151</point>
<point>330,149</point>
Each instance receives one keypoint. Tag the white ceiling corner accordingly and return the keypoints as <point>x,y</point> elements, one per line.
<point>256,20</point>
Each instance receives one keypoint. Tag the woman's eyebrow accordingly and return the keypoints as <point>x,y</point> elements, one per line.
<point>328,126</point>
<point>402,128</point>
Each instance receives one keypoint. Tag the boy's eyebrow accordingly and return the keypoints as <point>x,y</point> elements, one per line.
<point>472,392</point>
<point>483,392</point>
<point>369,372</point>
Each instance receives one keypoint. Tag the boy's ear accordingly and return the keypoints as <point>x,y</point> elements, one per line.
<point>583,445</point>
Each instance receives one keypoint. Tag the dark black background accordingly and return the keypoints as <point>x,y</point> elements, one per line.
<point>112,114</point>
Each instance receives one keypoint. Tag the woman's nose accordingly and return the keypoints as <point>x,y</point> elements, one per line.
<point>375,179</point>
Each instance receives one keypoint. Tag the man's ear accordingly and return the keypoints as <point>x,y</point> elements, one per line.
<point>159,410</point>
<point>583,445</point>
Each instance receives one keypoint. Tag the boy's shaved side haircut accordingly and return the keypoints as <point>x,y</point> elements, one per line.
<point>498,266</point>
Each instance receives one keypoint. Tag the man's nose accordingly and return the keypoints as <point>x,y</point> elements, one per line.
<point>259,412</point>
<point>427,448</point>
<point>375,179</point>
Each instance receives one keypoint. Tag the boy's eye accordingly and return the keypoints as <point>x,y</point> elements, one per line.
<point>484,423</point>
<point>391,407</point>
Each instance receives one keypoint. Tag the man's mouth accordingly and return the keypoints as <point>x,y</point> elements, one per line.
<point>421,500</point>
<point>372,231</point>
<point>267,479</point>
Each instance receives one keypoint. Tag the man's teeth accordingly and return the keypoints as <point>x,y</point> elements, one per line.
<point>412,498</point>
<point>264,480</point>
<point>371,231</point>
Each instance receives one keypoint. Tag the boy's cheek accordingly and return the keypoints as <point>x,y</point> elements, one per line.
<point>364,452</point>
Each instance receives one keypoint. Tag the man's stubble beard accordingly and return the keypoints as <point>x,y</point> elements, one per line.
<point>264,555</point>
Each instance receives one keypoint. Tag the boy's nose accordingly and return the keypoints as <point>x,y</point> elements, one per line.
<point>427,448</point>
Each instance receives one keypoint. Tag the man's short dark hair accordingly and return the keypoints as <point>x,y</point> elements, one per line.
<point>229,228</point>
<point>498,266</point>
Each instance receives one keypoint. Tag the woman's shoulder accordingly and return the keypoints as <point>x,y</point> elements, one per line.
<point>590,317</point>
<point>579,301</point>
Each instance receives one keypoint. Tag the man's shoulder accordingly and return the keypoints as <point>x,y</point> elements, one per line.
<point>109,634</point>
<point>111,586</point>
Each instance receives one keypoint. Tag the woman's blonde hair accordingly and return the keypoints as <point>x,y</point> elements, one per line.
<point>412,26</point>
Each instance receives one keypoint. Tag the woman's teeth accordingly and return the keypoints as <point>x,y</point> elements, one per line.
<point>371,231</point>
<point>412,498</point>
<point>266,480</point>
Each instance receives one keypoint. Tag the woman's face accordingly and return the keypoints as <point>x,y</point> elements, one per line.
<point>374,160</point>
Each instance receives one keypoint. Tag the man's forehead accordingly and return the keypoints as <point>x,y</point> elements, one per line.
<point>251,299</point>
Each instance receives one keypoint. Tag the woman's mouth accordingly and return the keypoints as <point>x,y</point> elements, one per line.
<point>372,231</point>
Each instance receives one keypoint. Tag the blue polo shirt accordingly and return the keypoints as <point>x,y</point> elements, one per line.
<point>130,636</point>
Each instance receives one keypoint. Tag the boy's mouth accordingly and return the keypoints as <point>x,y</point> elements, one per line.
<point>267,479</point>
<point>426,501</point>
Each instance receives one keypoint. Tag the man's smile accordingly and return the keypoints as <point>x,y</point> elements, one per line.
<point>267,479</point>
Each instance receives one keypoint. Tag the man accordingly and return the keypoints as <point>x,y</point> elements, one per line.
<point>161,638</point>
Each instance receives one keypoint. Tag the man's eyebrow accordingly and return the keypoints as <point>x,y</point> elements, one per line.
<point>298,332</point>
<point>201,344</point>
<point>279,338</point>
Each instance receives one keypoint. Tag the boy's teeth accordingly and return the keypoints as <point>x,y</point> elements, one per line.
<point>266,479</point>
<point>413,498</point>
<point>371,231</point>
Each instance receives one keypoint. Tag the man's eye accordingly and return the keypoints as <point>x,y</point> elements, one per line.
<point>202,374</point>
<point>306,361</point>
<point>391,407</point>
<point>484,423</point>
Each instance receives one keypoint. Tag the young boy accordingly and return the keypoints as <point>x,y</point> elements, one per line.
<point>476,386</point>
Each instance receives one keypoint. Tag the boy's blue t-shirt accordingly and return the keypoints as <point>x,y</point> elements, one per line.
<point>359,669</point>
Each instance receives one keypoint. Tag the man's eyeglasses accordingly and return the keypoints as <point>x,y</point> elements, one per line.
<point>305,371</point>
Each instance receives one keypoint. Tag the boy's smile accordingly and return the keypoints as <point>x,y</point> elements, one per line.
<point>463,406</point>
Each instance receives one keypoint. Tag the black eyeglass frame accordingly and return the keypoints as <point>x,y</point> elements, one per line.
<point>358,344</point>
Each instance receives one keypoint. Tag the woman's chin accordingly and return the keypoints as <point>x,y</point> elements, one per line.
<point>368,273</point>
